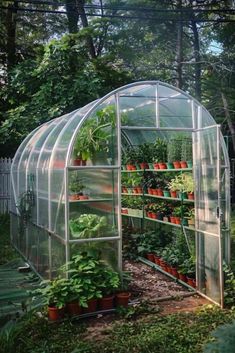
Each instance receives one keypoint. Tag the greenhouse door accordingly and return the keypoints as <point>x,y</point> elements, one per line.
<point>207,159</point>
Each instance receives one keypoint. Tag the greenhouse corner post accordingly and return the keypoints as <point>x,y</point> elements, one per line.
<point>221,275</point>
<point>119,180</point>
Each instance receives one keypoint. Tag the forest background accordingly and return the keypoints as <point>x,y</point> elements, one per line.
<point>58,55</point>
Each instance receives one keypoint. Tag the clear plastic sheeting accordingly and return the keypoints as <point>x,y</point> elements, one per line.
<point>66,179</point>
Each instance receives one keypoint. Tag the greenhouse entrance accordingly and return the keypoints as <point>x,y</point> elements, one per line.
<point>143,171</point>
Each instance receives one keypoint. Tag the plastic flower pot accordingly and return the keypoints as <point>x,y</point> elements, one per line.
<point>183,164</point>
<point>176,165</point>
<point>165,219</point>
<point>183,195</point>
<point>92,306</point>
<point>160,216</point>
<point>184,222</point>
<point>54,313</point>
<point>166,193</point>
<point>150,165</point>
<point>79,162</point>
<point>170,165</point>
<point>73,308</point>
<point>106,303</point>
<point>122,299</point>
<point>190,164</point>
<point>150,257</point>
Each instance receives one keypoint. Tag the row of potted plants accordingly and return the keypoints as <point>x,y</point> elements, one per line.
<point>167,249</point>
<point>92,285</point>
<point>180,186</point>
<point>162,154</point>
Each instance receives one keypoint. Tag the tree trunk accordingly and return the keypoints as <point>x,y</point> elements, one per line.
<point>72,15</point>
<point>11,35</point>
<point>229,119</point>
<point>197,57</point>
<point>81,12</point>
<point>179,50</point>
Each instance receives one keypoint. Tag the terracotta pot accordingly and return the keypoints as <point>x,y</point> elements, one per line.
<point>150,192</point>
<point>174,272</point>
<point>154,191</point>
<point>74,197</point>
<point>168,269</point>
<point>124,210</point>
<point>124,190</point>
<point>162,165</point>
<point>106,303</point>
<point>182,277</point>
<point>140,190</point>
<point>160,192</point>
<point>149,214</point>
<point>73,308</point>
<point>173,194</point>
<point>122,299</point>
<point>150,257</point>
<point>154,215</point>
<point>191,282</point>
<point>55,314</point>
<point>172,218</point>
<point>130,167</point>
<point>157,260</point>
<point>190,195</point>
<point>177,220</point>
<point>144,165</point>
<point>83,197</point>
<point>135,190</point>
<point>183,164</point>
<point>176,165</point>
<point>79,162</point>
<point>92,306</point>
<point>156,166</point>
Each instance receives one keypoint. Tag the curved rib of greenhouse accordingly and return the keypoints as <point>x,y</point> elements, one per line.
<point>83,150</point>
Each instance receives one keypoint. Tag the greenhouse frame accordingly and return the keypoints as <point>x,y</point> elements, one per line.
<point>66,180</point>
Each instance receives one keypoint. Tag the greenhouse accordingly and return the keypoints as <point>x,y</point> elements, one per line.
<point>146,156</point>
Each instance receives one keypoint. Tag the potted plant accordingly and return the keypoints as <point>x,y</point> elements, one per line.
<point>123,295</point>
<point>75,187</point>
<point>110,281</point>
<point>130,158</point>
<point>160,154</point>
<point>88,226</point>
<point>54,295</point>
<point>186,153</point>
<point>95,135</point>
<point>144,155</point>
<point>174,146</point>
<point>190,216</point>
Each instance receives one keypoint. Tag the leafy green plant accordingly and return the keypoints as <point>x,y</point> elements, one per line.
<point>229,293</point>
<point>88,226</point>
<point>188,266</point>
<point>174,147</point>
<point>54,293</point>
<point>75,183</point>
<point>160,150</point>
<point>145,152</point>
<point>182,183</point>
<point>95,134</point>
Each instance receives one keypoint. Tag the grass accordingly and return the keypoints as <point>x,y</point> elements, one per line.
<point>177,333</point>
<point>7,252</point>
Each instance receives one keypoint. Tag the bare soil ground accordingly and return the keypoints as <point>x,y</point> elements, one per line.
<point>147,286</point>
